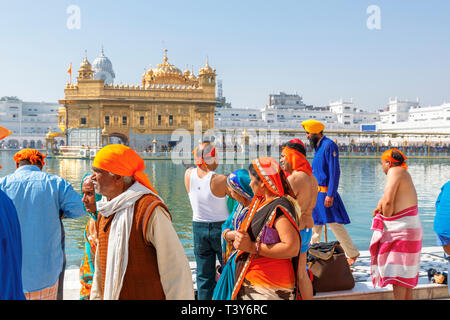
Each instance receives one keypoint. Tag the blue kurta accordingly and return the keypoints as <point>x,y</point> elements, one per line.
<point>327,172</point>
<point>10,251</point>
<point>40,198</point>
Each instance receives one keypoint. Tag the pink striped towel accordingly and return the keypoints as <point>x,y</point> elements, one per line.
<point>395,249</point>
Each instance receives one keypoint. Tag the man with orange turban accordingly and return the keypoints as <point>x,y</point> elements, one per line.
<point>396,222</point>
<point>305,187</point>
<point>11,249</point>
<point>330,209</point>
<point>41,200</point>
<point>139,255</point>
<point>207,193</point>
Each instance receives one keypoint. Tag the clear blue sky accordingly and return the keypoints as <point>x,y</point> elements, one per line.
<point>322,50</point>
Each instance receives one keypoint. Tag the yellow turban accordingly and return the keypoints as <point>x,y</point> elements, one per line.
<point>313,126</point>
<point>123,161</point>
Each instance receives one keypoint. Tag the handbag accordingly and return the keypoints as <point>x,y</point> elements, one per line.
<point>329,266</point>
<point>269,235</point>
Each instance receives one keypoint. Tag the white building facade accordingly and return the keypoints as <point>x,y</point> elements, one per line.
<point>29,121</point>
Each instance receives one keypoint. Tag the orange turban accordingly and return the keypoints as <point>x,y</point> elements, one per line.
<point>313,126</point>
<point>123,161</point>
<point>297,160</point>
<point>200,158</point>
<point>31,155</point>
<point>387,156</point>
<point>4,133</point>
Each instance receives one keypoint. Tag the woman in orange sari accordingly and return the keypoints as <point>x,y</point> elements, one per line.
<point>268,239</point>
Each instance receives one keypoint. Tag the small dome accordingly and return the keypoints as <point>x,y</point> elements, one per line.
<point>85,65</point>
<point>206,69</point>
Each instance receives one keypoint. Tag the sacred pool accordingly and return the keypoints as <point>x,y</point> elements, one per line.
<point>361,186</point>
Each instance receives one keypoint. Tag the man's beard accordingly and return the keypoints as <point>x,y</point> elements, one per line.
<point>313,141</point>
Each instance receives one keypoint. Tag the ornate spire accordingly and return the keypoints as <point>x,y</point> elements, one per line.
<point>165,55</point>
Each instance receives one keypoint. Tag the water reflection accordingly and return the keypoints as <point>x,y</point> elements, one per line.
<point>361,186</point>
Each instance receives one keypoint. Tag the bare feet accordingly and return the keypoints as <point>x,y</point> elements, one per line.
<point>351,261</point>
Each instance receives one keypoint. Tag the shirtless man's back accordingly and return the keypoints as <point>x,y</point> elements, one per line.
<point>399,194</point>
<point>305,188</point>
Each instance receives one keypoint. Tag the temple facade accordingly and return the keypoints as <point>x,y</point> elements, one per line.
<point>96,112</point>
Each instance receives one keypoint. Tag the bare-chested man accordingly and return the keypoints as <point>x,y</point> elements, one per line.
<point>305,187</point>
<point>207,194</point>
<point>396,217</point>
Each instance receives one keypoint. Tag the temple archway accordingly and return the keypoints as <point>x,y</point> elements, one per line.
<point>118,138</point>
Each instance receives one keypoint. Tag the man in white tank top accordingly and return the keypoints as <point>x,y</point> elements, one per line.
<point>207,194</point>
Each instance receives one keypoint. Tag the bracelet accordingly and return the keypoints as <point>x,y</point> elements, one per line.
<point>258,246</point>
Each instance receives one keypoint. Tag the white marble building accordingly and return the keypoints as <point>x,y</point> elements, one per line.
<point>29,122</point>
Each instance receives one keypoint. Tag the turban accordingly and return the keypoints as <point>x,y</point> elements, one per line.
<point>239,182</point>
<point>313,126</point>
<point>294,152</point>
<point>31,155</point>
<point>123,161</point>
<point>268,170</point>
<point>199,157</point>
<point>4,133</point>
<point>387,156</point>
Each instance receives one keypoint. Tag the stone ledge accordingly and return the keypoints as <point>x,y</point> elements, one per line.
<point>366,291</point>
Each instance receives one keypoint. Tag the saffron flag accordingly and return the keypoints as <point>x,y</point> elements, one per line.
<point>70,72</point>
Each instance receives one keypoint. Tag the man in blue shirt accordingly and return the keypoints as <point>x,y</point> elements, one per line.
<point>329,206</point>
<point>10,246</point>
<point>40,199</point>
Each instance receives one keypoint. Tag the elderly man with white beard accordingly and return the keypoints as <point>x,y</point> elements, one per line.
<point>139,255</point>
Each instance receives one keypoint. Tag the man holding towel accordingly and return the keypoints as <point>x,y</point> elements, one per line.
<point>139,255</point>
<point>397,232</point>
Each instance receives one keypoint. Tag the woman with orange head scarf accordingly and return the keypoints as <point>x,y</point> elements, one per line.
<point>268,239</point>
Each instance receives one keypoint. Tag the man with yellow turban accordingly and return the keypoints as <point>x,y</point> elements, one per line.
<point>139,255</point>
<point>41,200</point>
<point>329,208</point>
<point>11,249</point>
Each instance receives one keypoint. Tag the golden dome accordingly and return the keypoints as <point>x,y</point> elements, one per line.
<point>166,69</point>
<point>206,69</point>
<point>85,65</point>
<point>85,71</point>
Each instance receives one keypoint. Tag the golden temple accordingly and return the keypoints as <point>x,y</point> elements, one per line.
<point>94,111</point>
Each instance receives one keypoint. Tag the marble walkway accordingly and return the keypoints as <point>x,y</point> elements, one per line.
<point>431,257</point>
